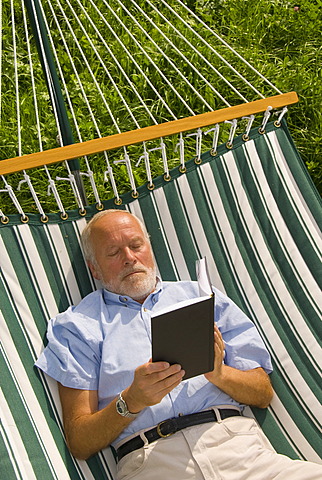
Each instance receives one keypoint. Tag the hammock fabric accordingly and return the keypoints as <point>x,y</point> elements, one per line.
<point>254,213</point>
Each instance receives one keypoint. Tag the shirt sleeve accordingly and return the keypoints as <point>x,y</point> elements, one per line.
<point>73,353</point>
<point>244,347</point>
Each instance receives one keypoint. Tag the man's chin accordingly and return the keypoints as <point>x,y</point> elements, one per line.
<point>138,285</point>
<point>138,290</point>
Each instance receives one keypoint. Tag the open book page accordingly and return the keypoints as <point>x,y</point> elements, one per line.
<point>179,305</point>
<point>203,277</point>
<point>204,284</point>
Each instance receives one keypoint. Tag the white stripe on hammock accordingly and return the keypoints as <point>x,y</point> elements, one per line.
<point>196,228</point>
<point>170,234</point>
<point>251,298</point>
<point>293,433</point>
<point>261,251</point>
<point>63,262</point>
<point>295,196</point>
<point>14,444</point>
<point>31,405</point>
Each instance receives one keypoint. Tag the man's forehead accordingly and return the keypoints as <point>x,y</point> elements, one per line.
<point>115,224</point>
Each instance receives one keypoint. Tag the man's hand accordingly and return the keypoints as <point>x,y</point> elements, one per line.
<point>88,429</point>
<point>152,381</point>
<point>219,356</point>
<point>249,387</point>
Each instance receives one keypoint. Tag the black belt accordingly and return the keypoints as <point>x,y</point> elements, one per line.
<point>169,427</point>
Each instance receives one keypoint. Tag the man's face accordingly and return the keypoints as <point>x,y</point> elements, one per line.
<point>124,259</point>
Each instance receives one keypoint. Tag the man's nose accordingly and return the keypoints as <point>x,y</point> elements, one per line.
<point>129,257</point>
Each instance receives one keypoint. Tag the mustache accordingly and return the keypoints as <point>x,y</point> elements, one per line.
<point>128,271</point>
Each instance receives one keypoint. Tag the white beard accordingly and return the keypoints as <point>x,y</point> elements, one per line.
<point>138,286</point>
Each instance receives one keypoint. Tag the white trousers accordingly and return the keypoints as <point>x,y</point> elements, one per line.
<point>234,449</point>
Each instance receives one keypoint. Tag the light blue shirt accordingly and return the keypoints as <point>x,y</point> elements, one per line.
<point>98,344</point>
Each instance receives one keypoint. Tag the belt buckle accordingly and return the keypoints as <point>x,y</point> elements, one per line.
<point>162,435</point>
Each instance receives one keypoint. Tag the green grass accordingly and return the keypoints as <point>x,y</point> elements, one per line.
<point>283,44</point>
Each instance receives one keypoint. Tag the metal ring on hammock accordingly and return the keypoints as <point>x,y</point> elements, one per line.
<point>182,169</point>
<point>44,218</point>
<point>229,145</point>
<point>82,212</point>
<point>261,131</point>
<point>118,201</point>
<point>24,219</point>
<point>5,220</point>
<point>277,124</point>
<point>198,160</point>
<point>99,207</point>
<point>245,137</point>
<point>213,152</point>
<point>151,186</point>
<point>135,194</point>
<point>64,216</point>
<point>167,177</point>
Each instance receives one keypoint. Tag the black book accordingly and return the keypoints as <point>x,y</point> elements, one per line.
<point>185,335</point>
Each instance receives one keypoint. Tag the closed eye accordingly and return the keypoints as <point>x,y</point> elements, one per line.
<point>112,253</point>
<point>136,246</point>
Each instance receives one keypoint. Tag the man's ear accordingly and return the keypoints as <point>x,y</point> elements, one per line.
<point>94,271</point>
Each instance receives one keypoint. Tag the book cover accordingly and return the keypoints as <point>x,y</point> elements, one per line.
<point>184,332</point>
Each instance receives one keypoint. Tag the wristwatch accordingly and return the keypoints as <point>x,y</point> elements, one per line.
<point>121,408</point>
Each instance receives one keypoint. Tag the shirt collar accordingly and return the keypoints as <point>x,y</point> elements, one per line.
<point>111,298</point>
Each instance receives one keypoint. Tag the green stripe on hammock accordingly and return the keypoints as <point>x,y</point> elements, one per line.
<point>246,211</point>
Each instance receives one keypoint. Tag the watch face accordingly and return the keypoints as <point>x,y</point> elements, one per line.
<point>120,407</point>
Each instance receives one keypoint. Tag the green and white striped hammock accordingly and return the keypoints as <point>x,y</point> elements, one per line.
<point>249,207</point>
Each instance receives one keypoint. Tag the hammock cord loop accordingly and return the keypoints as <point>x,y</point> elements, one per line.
<point>216,130</point>
<point>266,116</point>
<point>250,121</point>
<point>232,132</point>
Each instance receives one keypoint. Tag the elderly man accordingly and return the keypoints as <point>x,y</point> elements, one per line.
<point>161,426</point>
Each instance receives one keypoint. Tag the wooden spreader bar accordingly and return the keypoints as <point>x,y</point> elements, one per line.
<point>132,137</point>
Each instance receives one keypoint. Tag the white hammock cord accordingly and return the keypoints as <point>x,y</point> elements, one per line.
<point>16,76</point>
<point>198,53</point>
<point>32,77</point>
<point>126,156</point>
<point>0,61</point>
<point>71,177</point>
<point>216,53</point>
<point>250,121</point>
<point>198,135</point>
<point>74,68</point>
<point>26,176</point>
<point>180,145</point>
<point>8,189</point>
<point>185,58</point>
<point>152,62</point>
<point>145,156</point>
<point>100,59</point>
<point>16,82</point>
<point>232,131</point>
<point>229,47</point>
<point>89,172</point>
<point>266,116</point>
<point>52,185</point>
<point>135,63</point>
<point>216,130</point>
